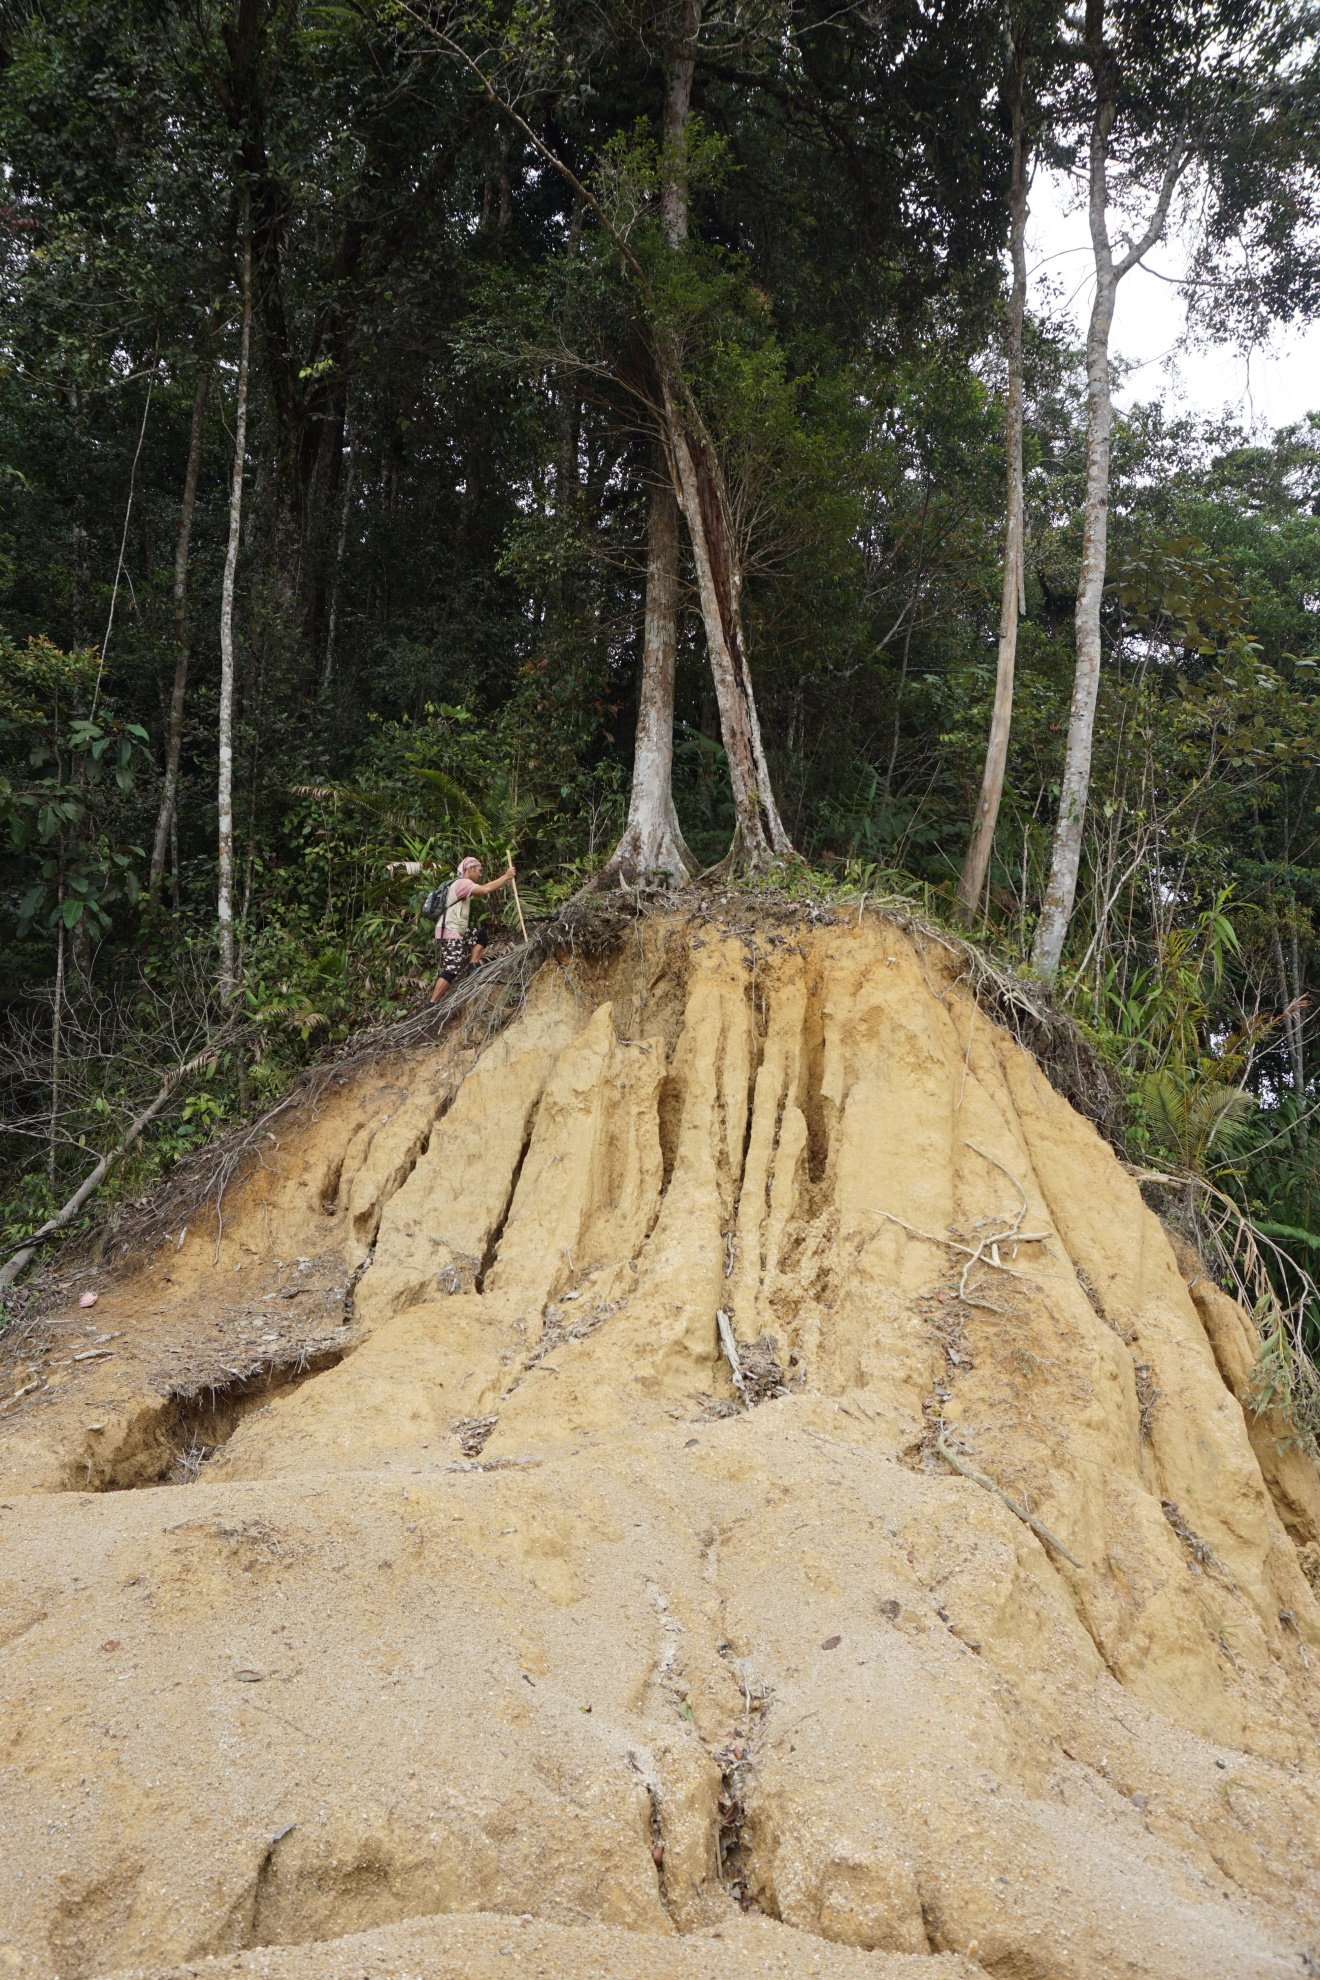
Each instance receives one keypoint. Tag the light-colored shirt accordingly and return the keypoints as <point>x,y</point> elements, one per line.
<point>457,909</point>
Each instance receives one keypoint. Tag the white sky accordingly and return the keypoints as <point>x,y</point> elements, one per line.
<point>1264,388</point>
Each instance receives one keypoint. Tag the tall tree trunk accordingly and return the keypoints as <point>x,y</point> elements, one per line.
<point>1298,1023</point>
<point>174,727</point>
<point>910,614</point>
<point>225,884</point>
<point>760,837</point>
<point>1060,894</point>
<point>341,543</point>
<point>321,513</point>
<point>1289,994</point>
<point>698,483</point>
<point>653,842</point>
<point>56,1037</point>
<point>681,69</point>
<point>1056,912</point>
<point>977,862</point>
<point>698,478</point>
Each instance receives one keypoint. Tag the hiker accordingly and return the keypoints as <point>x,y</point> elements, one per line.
<point>460,939</point>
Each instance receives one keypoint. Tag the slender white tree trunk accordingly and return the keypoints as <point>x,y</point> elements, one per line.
<point>1056,912</point>
<point>174,731</point>
<point>977,863</point>
<point>341,544</point>
<point>225,885</point>
<point>1060,894</point>
<point>56,1042</point>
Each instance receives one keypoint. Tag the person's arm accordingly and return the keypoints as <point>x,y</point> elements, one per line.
<point>493,886</point>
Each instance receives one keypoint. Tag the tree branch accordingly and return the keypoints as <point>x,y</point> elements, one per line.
<point>1173,171</point>
<point>169,1086</point>
<point>552,159</point>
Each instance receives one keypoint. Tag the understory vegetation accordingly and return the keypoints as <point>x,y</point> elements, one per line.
<point>649,464</point>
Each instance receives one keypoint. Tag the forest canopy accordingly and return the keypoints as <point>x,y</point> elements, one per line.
<point>623,434</point>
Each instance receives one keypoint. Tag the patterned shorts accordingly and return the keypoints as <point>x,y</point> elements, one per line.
<point>454,951</point>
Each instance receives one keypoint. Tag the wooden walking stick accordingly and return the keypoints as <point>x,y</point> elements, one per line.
<point>508,854</point>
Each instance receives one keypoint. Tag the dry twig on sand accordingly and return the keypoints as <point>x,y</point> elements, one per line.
<point>1038,1527</point>
<point>730,1346</point>
<point>975,1253</point>
<point>986,1249</point>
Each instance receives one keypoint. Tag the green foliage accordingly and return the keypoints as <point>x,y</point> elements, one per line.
<point>1192,1125</point>
<point>65,790</point>
<point>441,575</point>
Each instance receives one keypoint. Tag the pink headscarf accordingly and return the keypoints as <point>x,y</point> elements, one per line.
<point>470,864</point>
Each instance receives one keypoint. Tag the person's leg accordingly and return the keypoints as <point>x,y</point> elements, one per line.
<point>478,951</point>
<point>451,966</point>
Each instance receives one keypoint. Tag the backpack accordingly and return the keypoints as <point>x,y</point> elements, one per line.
<point>436,902</point>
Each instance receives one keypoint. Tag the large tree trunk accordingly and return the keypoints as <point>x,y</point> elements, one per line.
<point>977,862</point>
<point>698,483</point>
<point>652,842</point>
<point>674,123</point>
<point>697,474</point>
<point>225,882</point>
<point>1056,911</point>
<point>174,729</point>
<point>759,834</point>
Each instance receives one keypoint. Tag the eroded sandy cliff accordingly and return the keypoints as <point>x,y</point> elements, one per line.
<point>512,1606</point>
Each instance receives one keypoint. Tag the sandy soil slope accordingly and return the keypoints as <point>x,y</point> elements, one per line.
<point>501,1600</point>
<point>488,1946</point>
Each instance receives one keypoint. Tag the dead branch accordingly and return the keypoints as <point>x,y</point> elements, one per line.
<point>986,1249</point>
<point>92,1182</point>
<point>995,1163</point>
<point>1038,1527</point>
<point>975,1253</point>
<point>730,1346</point>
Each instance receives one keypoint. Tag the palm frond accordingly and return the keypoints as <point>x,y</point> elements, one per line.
<point>1218,1113</point>
<point>1164,1103</point>
<point>1186,1119</point>
<point>1290,1234</point>
<point>377,804</point>
<point>454,796</point>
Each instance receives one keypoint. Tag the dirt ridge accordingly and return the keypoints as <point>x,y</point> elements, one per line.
<point>974,1629</point>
